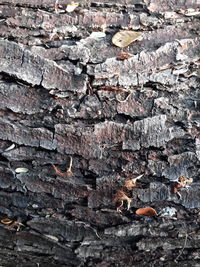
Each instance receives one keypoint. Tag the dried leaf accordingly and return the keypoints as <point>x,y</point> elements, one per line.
<point>119,199</point>
<point>182,182</point>
<point>124,55</point>
<point>72,6</point>
<point>138,177</point>
<point>17,224</point>
<point>52,237</point>
<point>12,224</point>
<point>125,38</point>
<point>146,212</point>
<point>21,170</point>
<point>131,183</point>
<point>192,13</point>
<point>68,172</point>
<point>10,148</point>
<point>97,35</point>
<point>6,221</point>
<point>185,180</point>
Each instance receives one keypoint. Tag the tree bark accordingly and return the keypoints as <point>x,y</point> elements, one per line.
<point>66,96</point>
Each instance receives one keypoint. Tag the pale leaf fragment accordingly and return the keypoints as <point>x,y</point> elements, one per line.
<point>10,148</point>
<point>52,237</point>
<point>125,38</point>
<point>97,35</point>
<point>21,170</point>
<point>71,6</point>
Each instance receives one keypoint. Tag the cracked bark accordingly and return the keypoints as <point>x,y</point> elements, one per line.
<point>61,95</point>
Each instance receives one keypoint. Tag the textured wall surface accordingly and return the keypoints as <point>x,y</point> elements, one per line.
<point>62,94</point>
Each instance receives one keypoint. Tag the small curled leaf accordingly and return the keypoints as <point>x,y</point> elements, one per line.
<point>68,172</point>
<point>146,212</point>
<point>131,183</point>
<point>21,170</point>
<point>6,221</point>
<point>125,38</point>
<point>10,148</point>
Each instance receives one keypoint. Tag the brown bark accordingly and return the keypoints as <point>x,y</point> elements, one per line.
<point>64,94</point>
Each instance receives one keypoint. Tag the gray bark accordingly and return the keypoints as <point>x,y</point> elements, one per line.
<point>65,94</point>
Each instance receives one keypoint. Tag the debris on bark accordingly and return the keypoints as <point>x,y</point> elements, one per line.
<point>67,91</point>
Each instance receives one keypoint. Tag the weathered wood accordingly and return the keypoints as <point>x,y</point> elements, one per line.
<point>64,94</point>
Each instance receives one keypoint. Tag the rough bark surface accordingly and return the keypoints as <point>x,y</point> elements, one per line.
<point>65,94</point>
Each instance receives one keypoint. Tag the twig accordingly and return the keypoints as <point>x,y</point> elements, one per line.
<point>130,93</point>
<point>70,165</point>
<point>87,225</point>
<point>181,252</point>
<point>56,6</point>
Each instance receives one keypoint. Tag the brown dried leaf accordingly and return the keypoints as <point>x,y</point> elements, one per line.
<point>6,221</point>
<point>182,182</point>
<point>124,55</point>
<point>119,199</point>
<point>175,189</point>
<point>131,183</point>
<point>17,224</point>
<point>146,212</point>
<point>68,172</point>
<point>125,38</point>
<point>12,224</point>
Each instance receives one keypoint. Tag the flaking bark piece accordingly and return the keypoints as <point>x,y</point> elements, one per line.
<point>120,198</point>
<point>67,173</point>
<point>131,183</point>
